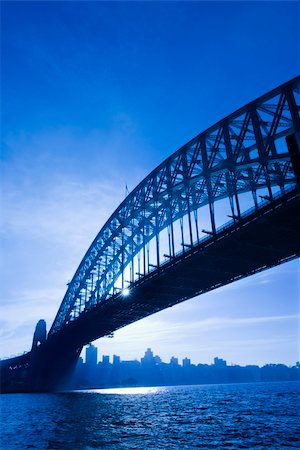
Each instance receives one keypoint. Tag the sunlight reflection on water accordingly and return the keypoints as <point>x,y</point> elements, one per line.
<point>126,391</point>
<point>235,416</point>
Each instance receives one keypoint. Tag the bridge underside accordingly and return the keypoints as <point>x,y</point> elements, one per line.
<point>259,241</point>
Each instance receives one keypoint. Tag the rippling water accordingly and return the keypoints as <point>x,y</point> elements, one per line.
<point>262,415</point>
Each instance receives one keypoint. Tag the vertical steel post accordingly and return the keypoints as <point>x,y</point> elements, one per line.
<point>182,235</point>
<point>206,175</point>
<point>236,196</point>
<point>139,264</point>
<point>132,254</point>
<point>98,283</point>
<point>252,186</point>
<point>113,264</point>
<point>85,294</point>
<point>187,191</point>
<point>231,166</point>
<point>232,207</point>
<point>212,214</point>
<point>196,223</point>
<point>92,286</point>
<point>144,245</point>
<point>80,302</point>
<point>172,232</point>
<point>122,260</point>
<point>189,218</point>
<point>169,240</point>
<point>157,237</point>
<point>148,256</point>
<point>105,273</point>
<point>169,203</point>
<point>263,157</point>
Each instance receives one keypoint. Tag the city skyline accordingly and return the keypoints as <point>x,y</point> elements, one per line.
<point>90,356</point>
<point>150,370</point>
<point>95,96</point>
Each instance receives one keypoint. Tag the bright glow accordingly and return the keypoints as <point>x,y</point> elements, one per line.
<point>127,391</point>
<point>125,292</point>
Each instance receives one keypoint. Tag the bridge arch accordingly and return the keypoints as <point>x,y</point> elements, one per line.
<point>245,152</point>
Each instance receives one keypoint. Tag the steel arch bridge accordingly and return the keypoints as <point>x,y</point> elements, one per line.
<point>238,154</point>
<point>164,243</point>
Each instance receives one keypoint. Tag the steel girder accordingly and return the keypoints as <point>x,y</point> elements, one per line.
<point>238,154</point>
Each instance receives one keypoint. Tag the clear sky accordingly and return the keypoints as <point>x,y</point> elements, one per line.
<point>94,96</point>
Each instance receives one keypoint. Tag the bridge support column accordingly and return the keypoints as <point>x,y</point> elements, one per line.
<point>40,334</point>
<point>52,366</point>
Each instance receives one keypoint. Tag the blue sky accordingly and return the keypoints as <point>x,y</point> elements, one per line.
<point>94,96</point>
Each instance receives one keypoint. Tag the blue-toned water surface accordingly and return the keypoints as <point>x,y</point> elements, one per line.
<point>261,415</point>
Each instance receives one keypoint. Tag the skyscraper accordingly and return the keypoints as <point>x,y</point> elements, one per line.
<point>91,355</point>
<point>148,357</point>
<point>186,362</point>
<point>219,362</point>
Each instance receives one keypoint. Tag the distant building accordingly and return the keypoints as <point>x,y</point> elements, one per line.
<point>116,360</point>
<point>148,357</point>
<point>105,360</point>
<point>174,361</point>
<point>219,362</point>
<point>186,362</point>
<point>91,355</point>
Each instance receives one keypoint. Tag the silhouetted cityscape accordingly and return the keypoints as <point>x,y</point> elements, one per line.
<point>152,371</point>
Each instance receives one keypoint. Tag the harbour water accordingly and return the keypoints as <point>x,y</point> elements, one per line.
<point>257,415</point>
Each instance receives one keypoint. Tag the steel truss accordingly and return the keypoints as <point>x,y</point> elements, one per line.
<point>242,153</point>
